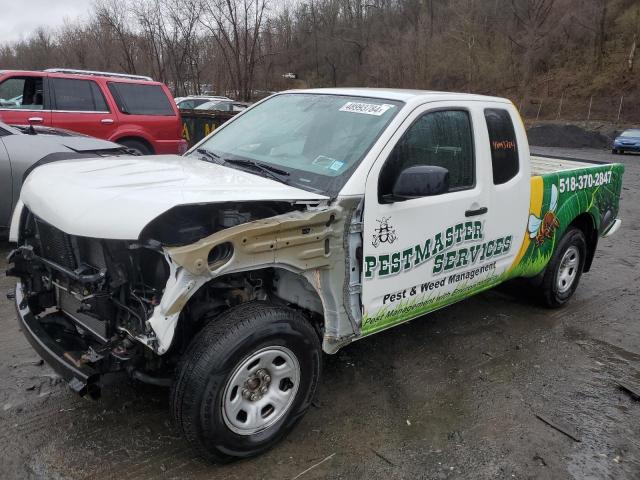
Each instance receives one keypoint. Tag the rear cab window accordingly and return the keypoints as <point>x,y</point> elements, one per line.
<point>77,95</point>
<point>22,93</point>
<point>505,160</point>
<point>140,99</point>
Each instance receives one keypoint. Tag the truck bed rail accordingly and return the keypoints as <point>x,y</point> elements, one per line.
<point>544,165</point>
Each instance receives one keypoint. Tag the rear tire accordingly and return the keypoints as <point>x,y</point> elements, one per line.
<point>138,147</point>
<point>246,380</point>
<point>562,276</point>
<point>614,151</point>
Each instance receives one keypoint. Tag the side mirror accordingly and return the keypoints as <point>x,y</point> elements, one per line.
<point>419,181</point>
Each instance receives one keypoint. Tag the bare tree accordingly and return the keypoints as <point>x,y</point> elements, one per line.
<point>113,14</point>
<point>236,27</point>
<point>532,18</point>
<point>634,43</point>
<point>464,32</point>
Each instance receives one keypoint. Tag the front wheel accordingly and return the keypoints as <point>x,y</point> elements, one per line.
<point>136,146</point>
<point>564,270</point>
<point>245,380</point>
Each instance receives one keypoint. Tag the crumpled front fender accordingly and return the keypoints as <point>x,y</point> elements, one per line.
<point>310,243</point>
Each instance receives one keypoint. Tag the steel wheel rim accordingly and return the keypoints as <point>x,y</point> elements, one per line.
<point>261,390</point>
<point>568,271</point>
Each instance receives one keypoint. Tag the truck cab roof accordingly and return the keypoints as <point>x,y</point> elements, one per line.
<point>403,95</point>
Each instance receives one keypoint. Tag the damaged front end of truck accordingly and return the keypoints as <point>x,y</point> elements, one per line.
<point>93,306</point>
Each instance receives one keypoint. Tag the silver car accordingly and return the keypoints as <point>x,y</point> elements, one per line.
<point>24,148</point>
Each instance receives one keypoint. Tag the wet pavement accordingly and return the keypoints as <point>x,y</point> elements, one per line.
<point>457,394</point>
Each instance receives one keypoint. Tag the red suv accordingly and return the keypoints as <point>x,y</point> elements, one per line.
<point>131,110</point>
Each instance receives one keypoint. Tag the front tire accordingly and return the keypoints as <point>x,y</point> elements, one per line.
<point>245,380</point>
<point>136,146</point>
<point>562,276</point>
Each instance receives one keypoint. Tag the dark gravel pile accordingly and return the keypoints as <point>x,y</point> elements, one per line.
<point>566,136</point>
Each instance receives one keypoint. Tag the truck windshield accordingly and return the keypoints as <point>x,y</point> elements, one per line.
<point>316,139</point>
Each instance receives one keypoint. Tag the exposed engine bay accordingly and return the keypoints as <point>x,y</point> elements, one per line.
<point>97,296</point>
<point>134,306</point>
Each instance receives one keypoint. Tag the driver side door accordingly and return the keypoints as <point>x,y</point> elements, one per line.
<point>421,252</point>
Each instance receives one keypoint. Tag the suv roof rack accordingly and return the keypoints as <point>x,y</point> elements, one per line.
<point>99,74</point>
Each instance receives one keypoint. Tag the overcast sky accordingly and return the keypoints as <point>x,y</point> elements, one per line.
<point>18,18</point>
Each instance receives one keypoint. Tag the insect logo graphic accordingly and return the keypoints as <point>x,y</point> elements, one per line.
<point>385,233</point>
<point>543,228</point>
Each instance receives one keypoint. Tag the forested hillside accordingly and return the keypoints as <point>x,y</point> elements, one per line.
<point>515,48</point>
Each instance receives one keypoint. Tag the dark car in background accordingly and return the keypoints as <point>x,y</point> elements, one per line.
<point>627,141</point>
<point>192,101</point>
<point>223,106</point>
<point>131,110</point>
<point>24,148</point>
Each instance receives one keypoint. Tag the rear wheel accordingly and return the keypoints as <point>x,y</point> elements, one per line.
<point>245,380</point>
<point>138,147</point>
<point>614,151</point>
<point>563,273</point>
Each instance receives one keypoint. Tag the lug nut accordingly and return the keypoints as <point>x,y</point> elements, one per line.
<point>263,389</point>
<point>246,394</point>
<point>266,378</point>
<point>254,397</point>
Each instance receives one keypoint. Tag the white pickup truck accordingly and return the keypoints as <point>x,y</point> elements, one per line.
<point>312,219</point>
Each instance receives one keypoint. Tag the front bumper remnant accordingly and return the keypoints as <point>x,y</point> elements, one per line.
<point>82,379</point>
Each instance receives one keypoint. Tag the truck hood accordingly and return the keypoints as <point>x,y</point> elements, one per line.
<point>116,197</point>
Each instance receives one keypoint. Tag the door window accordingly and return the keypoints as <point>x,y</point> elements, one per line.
<point>78,95</point>
<point>138,99</point>
<point>22,93</point>
<point>444,139</point>
<point>504,148</point>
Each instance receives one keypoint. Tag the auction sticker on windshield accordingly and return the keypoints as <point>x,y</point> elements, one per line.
<point>366,108</point>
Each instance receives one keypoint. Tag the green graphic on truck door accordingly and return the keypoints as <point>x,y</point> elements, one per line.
<point>556,201</point>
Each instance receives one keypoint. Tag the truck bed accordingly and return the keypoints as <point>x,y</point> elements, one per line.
<point>546,165</point>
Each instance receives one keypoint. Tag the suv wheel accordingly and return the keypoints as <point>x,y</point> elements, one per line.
<point>245,380</point>
<point>138,147</point>
<point>563,273</point>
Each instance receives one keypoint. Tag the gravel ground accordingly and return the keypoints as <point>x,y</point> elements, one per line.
<point>452,395</point>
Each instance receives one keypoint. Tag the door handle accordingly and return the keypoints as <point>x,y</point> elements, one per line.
<point>107,121</point>
<point>35,120</point>
<point>473,213</point>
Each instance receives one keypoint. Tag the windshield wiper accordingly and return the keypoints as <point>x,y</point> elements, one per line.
<point>272,172</point>
<point>210,156</point>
